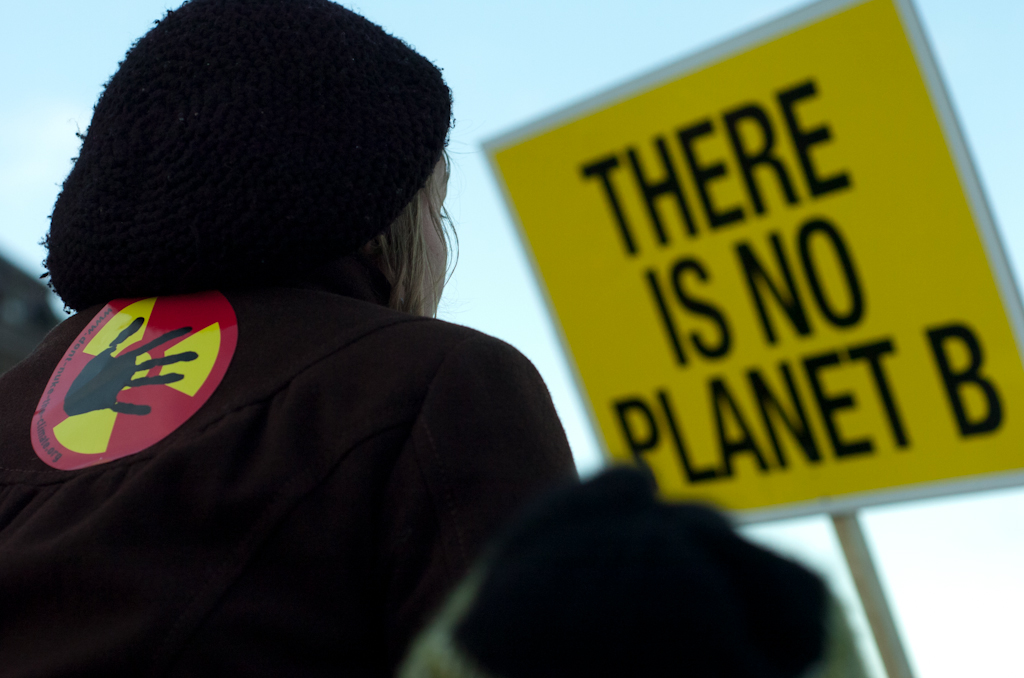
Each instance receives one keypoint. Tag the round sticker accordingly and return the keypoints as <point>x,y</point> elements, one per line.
<point>136,373</point>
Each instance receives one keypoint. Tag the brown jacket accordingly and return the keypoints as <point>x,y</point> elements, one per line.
<point>306,521</point>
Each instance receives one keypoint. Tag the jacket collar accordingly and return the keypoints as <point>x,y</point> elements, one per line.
<point>353,275</point>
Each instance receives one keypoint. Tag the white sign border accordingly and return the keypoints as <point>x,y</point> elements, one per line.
<point>963,163</point>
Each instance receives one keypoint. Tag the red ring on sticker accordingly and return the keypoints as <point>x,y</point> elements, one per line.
<point>138,371</point>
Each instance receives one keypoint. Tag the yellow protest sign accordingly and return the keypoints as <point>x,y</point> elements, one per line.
<point>775,271</point>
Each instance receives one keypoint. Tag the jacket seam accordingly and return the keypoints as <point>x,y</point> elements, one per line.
<point>133,459</point>
<point>448,498</point>
<point>299,373</point>
<point>245,552</point>
<point>166,651</point>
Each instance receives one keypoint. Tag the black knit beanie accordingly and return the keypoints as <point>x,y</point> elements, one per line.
<point>603,581</point>
<point>241,142</point>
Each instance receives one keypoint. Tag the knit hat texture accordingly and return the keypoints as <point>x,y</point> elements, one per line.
<point>603,580</point>
<point>241,142</point>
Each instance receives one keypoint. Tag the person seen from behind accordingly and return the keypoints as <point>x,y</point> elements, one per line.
<point>252,450</point>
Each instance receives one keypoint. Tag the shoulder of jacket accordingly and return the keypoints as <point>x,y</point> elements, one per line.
<point>455,343</point>
<point>284,333</point>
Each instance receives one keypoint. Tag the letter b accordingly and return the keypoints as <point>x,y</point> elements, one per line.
<point>956,379</point>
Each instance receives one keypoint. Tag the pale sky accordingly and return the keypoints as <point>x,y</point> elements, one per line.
<point>952,567</point>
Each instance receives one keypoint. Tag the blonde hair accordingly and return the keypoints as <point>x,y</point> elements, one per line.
<point>401,250</point>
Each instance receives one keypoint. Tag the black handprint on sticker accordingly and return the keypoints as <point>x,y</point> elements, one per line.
<point>104,376</point>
